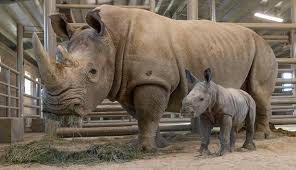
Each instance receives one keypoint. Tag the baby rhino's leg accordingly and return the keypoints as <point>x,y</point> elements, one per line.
<point>233,138</point>
<point>250,123</point>
<point>225,130</point>
<point>205,132</point>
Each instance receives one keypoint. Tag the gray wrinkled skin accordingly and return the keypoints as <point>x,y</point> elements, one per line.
<point>75,85</point>
<point>226,107</point>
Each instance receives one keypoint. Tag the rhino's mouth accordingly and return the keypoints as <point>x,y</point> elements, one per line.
<point>66,102</point>
<point>187,111</point>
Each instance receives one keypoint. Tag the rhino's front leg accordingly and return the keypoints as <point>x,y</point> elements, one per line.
<point>150,103</point>
<point>205,131</point>
<point>224,136</point>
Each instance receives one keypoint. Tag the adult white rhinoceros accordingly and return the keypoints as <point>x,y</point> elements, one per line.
<point>139,58</point>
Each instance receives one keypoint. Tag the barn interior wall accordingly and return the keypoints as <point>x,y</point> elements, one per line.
<point>9,58</point>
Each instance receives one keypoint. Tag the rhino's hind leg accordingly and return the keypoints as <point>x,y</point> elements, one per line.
<point>250,121</point>
<point>224,135</point>
<point>261,82</point>
<point>233,134</point>
<point>262,96</point>
<point>263,107</point>
<point>150,103</point>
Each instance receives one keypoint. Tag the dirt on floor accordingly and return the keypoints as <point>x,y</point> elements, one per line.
<point>276,153</point>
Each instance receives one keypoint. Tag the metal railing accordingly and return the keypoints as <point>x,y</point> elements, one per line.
<point>9,86</point>
<point>18,87</point>
<point>36,96</point>
<point>33,101</point>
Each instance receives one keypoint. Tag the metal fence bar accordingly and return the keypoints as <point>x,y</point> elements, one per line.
<point>11,107</point>
<point>276,41</point>
<point>5,84</point>
<point>9,68</point>
<point>283,101</point>
<point>92,6</point>
<point>4,95</point>
<point>282,116</point>
<point>32,106</point>
<point>29,34</point>
<point>275,107</point>
<point>9,94</point>
<point>276,37</point>
<point>20,68</point>
<point>31,116</point>
<point>39,102</point>
<point>283,87</point>
<point>286,60</point>
<point>14,97</point>
<point>289,81</point>
<point>32,80</point>
<point>284,70</point>
<point>271,26</point>
<point>32,97</point>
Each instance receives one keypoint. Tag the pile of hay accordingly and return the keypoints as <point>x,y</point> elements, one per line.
<point>44,153</point>
<point>63,120</point>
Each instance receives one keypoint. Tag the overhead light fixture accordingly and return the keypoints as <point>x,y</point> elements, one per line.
<point>279,4</point>
<point>268,17</point>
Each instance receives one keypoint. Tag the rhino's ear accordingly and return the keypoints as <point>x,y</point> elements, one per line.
<point>208,75</point>
<point>93,19</point>
<point>190,77</point>
<point>60,26</point>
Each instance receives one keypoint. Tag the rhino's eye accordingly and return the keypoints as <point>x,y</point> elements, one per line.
<point>93,71</point>
<point>201,99</point>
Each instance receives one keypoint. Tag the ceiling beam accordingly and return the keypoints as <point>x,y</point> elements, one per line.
<point>10,1</point>
<point>29,15</point>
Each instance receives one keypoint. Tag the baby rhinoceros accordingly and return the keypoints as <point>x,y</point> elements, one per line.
<point>227,108</point>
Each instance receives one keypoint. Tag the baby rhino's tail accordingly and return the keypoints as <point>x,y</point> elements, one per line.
<point>250,125</point>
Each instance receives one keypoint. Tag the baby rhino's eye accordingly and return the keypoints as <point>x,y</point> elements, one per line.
<point>201,99</point>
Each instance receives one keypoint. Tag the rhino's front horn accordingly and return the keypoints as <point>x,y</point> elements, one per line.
<point>46,68</point>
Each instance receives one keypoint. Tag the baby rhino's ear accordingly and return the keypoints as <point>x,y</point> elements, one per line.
<point>190,77</point>
<point>208,75</point>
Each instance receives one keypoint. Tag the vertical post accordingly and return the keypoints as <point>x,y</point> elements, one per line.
<point>49,35</point>
<point>39,100</point>
<point>293,19</point>
<point>192,14</point>
<point>8,94</point>
<point>293,40</point>
<point>213,10</point>
<point>152,5</point>
<point>20,68</point>
<point>192,9</point>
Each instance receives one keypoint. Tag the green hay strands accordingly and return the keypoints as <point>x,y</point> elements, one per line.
<point>44,153</point>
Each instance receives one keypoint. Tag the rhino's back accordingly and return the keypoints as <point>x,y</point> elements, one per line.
<point>241,103</point>
<point>227,49</point>
<point>195,44</point>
